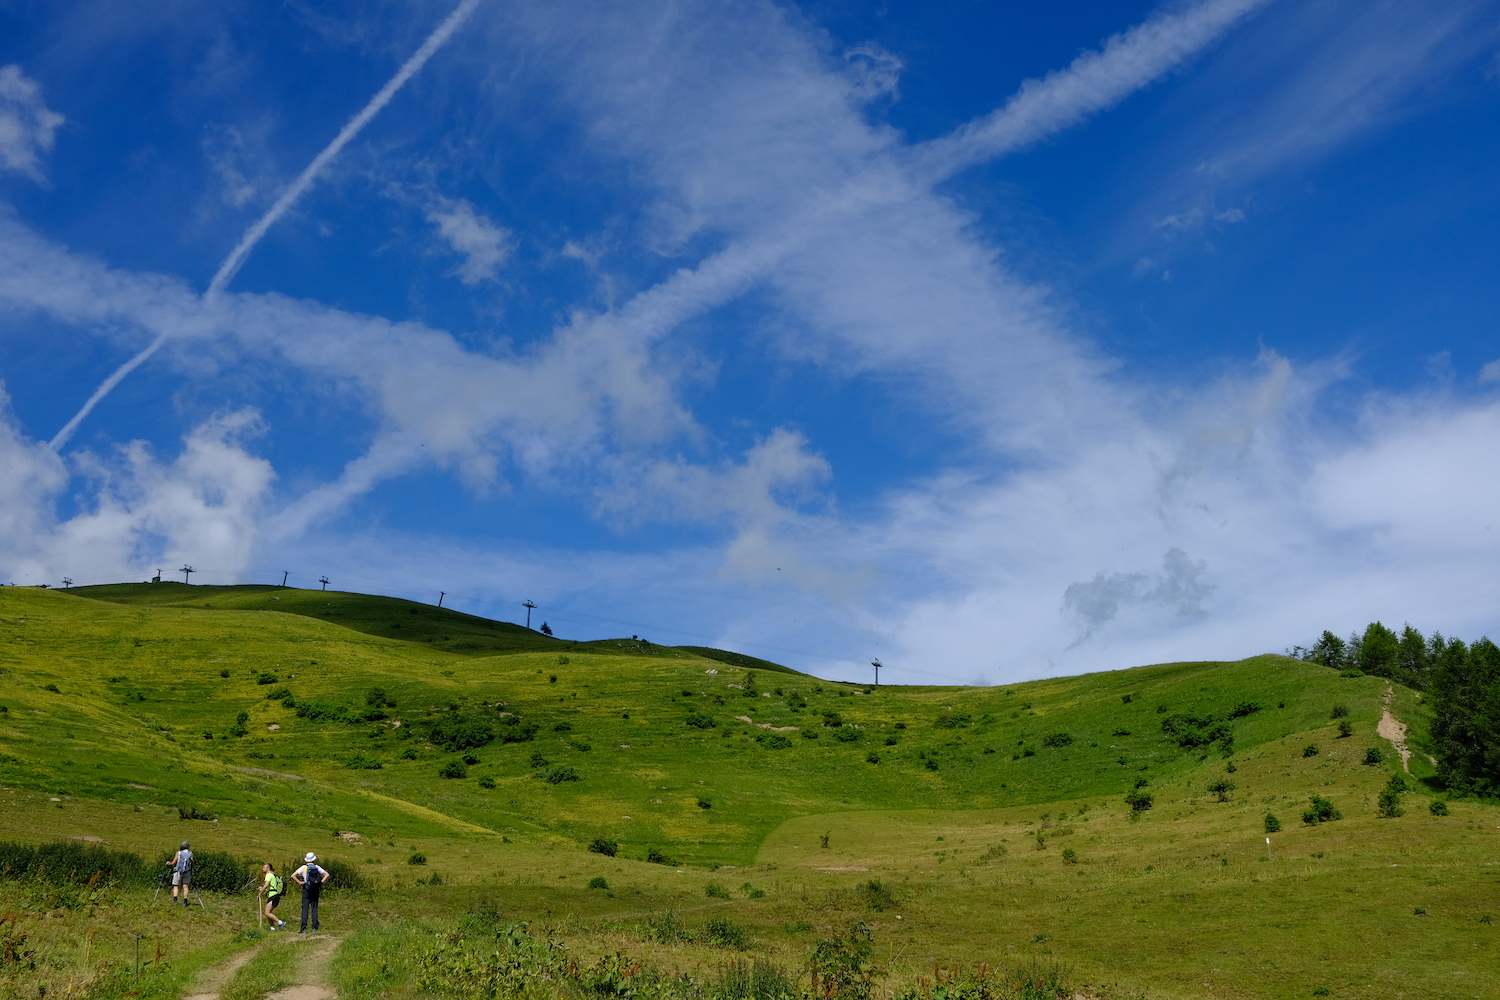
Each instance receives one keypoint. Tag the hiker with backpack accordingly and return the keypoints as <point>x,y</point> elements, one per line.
<point>311,878</point>
<point>275,885</point>
<point>181,866</point>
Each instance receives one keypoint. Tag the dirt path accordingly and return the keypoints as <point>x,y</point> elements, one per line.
<point>312,973</point>
<point>1393,729</point>
<point>311,976</point>
<point>214,978</point>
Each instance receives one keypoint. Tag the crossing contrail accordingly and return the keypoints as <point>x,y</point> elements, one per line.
<point>294,191</point>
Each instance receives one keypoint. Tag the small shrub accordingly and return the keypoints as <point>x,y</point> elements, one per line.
<point>1057,740</point>
<point>1352,672</point>
<point>608,848</point>
<point>1273,825</point>
<point>557,775</point>
<point>1311,750</point>
<point>410,753</point>
<point>1346,729</point>
<point>809,734</point>
<point>360,762</point>
<point>1390,798</point>
<point>266,678</point>
<point>700,720</point>
<point>1339,711</point>
<point>598,882</point>
<point>51,687</point>
<point>1138,800</point>
<point>470,759</point>
<point>453,769</point>
<point>823,839</point>
<point>1028,751</point>
<point>705,804</point>
<point>872,758</point>
<point>656,857</point>
<point>1069,856</point>
<point>1438,807</point>
<point>1321,811</point>
<point>417,859</point>
<point>1374,756</point>
<point>486,782</point>
<point>931,764</point>
<point>342,875</point>
<point>715,891</point>
<point>193,812</point>
<point>562,727</point>
<point>537,760</point>
<point>1222,788</point>
<point>775,742</point>
<point>725,934</point>
<point>1125,699</point>
<point>664,928</point>
<point>279,694</point>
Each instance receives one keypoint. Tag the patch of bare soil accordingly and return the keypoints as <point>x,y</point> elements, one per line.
<point>1393,729</point>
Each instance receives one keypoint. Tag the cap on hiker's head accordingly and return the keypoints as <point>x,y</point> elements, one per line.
<point>311,857</point>
<point>184,845</point>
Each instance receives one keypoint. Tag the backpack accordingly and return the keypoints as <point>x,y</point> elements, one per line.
<point>184,861</point>
<point>315,876</point>
<point>275,884</point>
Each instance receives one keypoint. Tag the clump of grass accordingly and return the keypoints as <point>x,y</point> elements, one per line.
<point>715,891</point>
<point>876,895</point>
<point>598,882</point>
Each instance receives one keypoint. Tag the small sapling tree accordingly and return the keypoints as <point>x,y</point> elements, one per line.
<point>1222,788</point>
<point>1273,825</point>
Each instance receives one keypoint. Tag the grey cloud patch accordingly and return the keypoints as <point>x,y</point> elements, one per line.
<point>1098,601</point>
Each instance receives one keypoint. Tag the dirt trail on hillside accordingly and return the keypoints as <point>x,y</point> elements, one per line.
<point>311,976</point>
<point>1393,729</point>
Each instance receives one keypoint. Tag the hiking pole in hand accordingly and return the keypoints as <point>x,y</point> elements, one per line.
<point>159,883</point>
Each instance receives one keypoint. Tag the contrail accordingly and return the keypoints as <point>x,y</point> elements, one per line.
<point>294,191</point>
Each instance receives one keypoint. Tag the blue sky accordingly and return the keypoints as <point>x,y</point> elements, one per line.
<point>996,341</point>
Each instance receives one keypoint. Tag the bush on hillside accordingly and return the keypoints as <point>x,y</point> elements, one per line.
<point>1438,807</point>
<point>1338,711</point>
<point>215,871</point>
<point>715,891</point>
<point>69,861</point>
<point>1138,799</point>
<point>1321,811</point>
<point>845,734</point>
<point>279,694</point>
<point>1311,750</point>
<point>1374,756</point>
<point>1346,729</point>
<point>513,730</point>
<point>557,775</point>
<point>656,857</point>
<point>342,875</point>
<point>1244,708</point>
<point>1273,825</point>
<point>700,720</point>
<point>1222,788</point>
<point>598,882</point>
<point>457,733</point>
<point>953,720</point>
<point>453,769</point>
<point>608,848</point>
<point>1057,740</point>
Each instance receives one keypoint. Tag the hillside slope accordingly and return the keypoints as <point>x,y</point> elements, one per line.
<point>699,754</point>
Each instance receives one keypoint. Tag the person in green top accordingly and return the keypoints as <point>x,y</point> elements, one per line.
<point>272,886</point>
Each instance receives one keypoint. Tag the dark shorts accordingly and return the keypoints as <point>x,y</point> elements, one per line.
<point>273,900</point>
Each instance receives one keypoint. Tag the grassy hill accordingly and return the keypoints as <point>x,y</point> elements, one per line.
<point>308,720</point>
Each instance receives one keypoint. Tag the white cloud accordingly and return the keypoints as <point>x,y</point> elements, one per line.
<point>1490,372</point>
<point>202,507</point>
<point>484,246</point>
<point>27,127</point>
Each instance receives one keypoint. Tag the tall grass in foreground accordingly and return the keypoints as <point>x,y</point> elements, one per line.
<point>478,958</point>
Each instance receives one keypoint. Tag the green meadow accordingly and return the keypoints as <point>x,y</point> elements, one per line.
<point>463,769</point>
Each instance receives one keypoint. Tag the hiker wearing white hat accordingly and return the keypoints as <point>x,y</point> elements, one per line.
<point>310,877</point>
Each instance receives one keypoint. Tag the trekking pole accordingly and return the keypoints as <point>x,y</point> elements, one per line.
<point>159,883</point>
